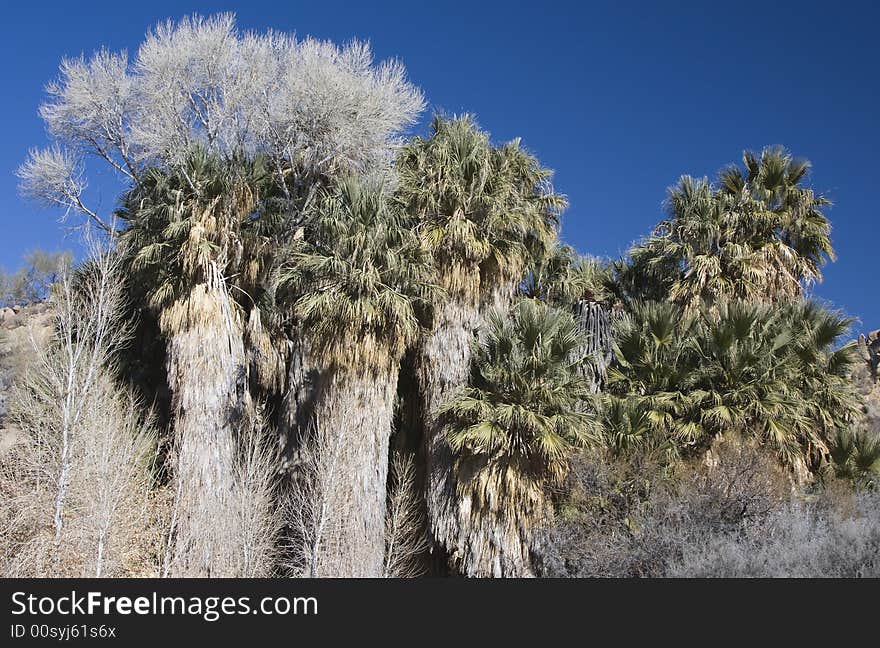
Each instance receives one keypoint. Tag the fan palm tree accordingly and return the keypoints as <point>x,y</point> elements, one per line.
<point>564,278</point>
<point>747,382</point>
<point>773,182</point>
<point>512,430</point>
<point>744,369</point>
<point>579,285</point>
<point>855,456</point>
<point>183,234</point>
<point>359,284</point>
<point>483,211</point>
<point>649,385</point>
<point>757,236</point>
<point>822,369</point>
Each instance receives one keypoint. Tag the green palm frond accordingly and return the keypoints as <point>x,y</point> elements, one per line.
<point>524,403</point>
<point>738,367</point>
<point>485,211</point>
<point>179,219</point>
<point>758,235</point>
<point>359,274</point>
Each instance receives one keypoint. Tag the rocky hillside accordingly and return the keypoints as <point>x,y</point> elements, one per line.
<point>867,379</point>
<point>20,327</point>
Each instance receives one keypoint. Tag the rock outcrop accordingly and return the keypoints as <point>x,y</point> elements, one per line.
<point>20,328</point>
<point>866,377</point>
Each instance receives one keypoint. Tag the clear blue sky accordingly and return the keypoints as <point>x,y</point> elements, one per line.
<point>619,98</point>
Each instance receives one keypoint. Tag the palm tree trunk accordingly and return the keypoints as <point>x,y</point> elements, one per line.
<point>207,375</point>
<point>595,320</point>
<point>355,409</point>
<point>298,402</point>
<point>443,365</point>
<point>496,517</point>
<point>478,541</point>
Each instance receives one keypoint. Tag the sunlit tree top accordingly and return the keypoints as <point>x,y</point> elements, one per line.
<point>312,106</point>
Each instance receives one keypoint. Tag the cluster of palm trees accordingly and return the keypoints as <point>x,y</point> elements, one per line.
<point>720,338</point>
<point>711,337</point>
<point>682,380</point>
<point>367,272</point>
<point>427,303</point>
<point>757,235</point>
<point>456,268</point>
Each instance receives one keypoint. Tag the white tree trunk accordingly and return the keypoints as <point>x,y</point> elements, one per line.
<point>208,379</point>
<point>356,409</point>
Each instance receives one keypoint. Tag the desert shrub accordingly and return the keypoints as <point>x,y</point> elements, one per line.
<point>632,519</point>
<point>594,524</point>
<point>805,540</point>
<point>107,527</point>
<point>32,281</point>
<point>733,515</point>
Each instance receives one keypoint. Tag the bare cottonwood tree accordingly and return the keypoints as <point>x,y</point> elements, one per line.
<point>312,106</point>
<point>316,508</point>
<point>234,532</point>
<point>406,539</point>
<point>76,488</point>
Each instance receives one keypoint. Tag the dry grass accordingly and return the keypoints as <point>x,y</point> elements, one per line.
<point>405,538</point>
<point>829,538</point>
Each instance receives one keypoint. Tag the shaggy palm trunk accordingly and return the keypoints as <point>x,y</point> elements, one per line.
<point>595,320</point>
<point>355,410</point>
<point>478,541</point>
<point>442,366</point>
<point>498,512</point>
<point>207,376</point>
<point>298,402</point>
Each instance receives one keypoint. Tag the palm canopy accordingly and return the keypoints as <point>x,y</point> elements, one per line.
<point>182,219</point>
<point>359,280</point>
<point>563,277</point>
<point>774,180</point>
<point>521,409</point>
<point>856,456</point>
<point>682,379</point>
<point>756,235</point>
<point>484,210</point>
